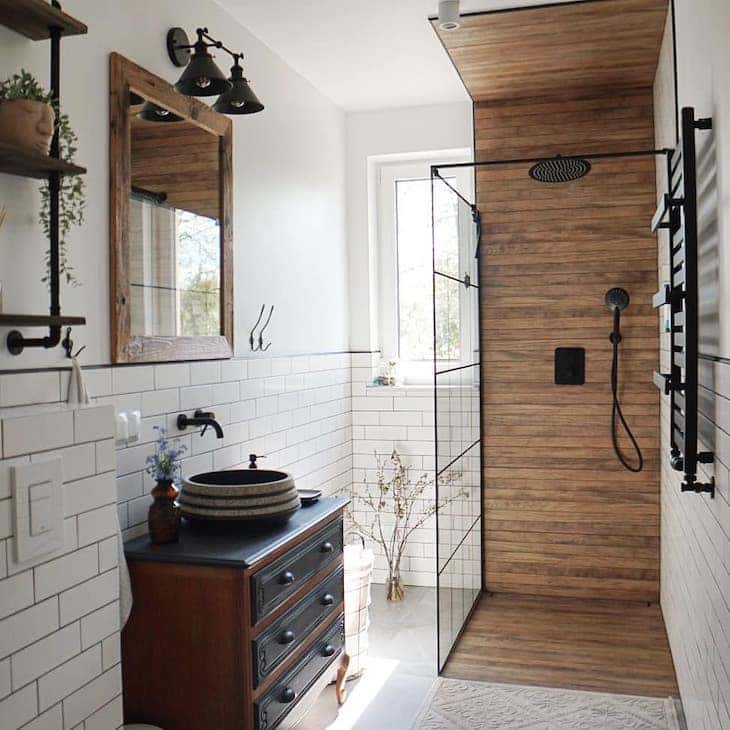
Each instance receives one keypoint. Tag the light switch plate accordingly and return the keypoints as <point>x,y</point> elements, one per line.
<point>38,503</point>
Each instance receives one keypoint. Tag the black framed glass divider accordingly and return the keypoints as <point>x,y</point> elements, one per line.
<point>457,417</point>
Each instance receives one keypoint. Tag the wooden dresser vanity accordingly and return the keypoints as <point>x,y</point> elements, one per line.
<point>232,627</point>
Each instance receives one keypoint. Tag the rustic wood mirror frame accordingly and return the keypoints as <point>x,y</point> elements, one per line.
<point>126,76</point>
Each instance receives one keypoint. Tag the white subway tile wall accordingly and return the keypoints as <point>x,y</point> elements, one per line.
<point>695,530</point>
<point>314,416</point>
<point>301,423</point>
<point>384,418</point>
<point>59,617</point>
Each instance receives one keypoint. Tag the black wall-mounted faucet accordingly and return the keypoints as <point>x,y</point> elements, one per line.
<point>200,418</point>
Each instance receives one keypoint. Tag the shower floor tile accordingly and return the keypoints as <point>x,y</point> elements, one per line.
<point>597,645</point>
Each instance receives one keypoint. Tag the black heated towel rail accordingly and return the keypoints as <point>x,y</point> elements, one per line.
<point>677,212</point>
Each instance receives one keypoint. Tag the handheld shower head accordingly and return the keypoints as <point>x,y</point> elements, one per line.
<point>617,298</point>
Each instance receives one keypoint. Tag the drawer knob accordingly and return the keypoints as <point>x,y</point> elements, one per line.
<point>288,695</point>
<point>286,637</point>
<point>328,599</point>
<point>328,650</point>
<point>286,578</point>
<point>327,547</point>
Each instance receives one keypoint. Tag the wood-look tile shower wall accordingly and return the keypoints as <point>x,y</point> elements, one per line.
<point>562,517</point>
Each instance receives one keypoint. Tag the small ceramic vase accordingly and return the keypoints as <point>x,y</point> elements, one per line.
<point>163,519</point>
<point>27,124</point>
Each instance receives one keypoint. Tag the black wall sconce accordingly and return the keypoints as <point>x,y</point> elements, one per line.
<point>150,112</point>
<point>202,77</point>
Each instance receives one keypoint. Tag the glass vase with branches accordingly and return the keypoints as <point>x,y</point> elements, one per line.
<point>392,506</point>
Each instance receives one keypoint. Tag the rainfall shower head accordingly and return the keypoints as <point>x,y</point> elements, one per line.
<point>617,298</point>
<point>560,169</point>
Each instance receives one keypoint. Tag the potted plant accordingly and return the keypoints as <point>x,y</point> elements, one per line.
<point>28,118</point>
<point>392,504</point>
<point>163,518</point>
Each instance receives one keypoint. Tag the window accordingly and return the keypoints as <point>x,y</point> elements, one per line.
<point>406,252</point>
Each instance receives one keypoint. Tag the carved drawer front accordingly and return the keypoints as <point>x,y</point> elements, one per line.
<point>295,627</point>
<point>275,705</point>
<point>271,586</point>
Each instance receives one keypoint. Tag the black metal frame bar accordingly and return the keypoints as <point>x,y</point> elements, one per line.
<point>531,160</point>
<point>16,343</point>
<point>467,282</point>
<point>677,213</point>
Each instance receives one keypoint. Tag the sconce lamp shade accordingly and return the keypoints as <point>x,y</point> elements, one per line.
<point>152,113</point>
<point>201,76</point>
<point>239,99</point>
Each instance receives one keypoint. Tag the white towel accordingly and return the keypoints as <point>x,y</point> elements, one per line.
<point>76,386</point>
<point>125,584</point>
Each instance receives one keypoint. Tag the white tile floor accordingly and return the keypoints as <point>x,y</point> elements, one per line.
<point>401,668</point>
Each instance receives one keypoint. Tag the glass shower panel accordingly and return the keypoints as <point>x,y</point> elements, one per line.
<point>457,406</point>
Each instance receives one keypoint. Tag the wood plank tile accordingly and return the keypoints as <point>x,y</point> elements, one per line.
<point>571,48</point>
<point>596,645</point>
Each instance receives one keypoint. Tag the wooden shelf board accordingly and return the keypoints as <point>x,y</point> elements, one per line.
<point>15,161</point>
<point>38,320</point>
<point>34,18</point>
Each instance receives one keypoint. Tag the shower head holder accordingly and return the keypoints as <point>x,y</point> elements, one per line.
<point>617,298</point>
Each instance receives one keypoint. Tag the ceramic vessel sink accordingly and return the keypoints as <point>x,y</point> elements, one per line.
<point>238,477</point>
<point>240,495</point>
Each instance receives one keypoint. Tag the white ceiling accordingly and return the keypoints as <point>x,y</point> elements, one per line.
<point>363,54</point>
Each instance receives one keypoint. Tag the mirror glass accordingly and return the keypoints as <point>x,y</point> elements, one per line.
<point>174,225</point>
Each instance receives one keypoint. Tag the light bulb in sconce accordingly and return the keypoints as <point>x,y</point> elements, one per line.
<point>203,82</point>
<point>449,18</point>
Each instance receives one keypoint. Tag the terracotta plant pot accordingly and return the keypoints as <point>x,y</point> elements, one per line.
<point>27,124</point>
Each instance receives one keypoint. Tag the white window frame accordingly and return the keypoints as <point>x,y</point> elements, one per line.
<point>419,372</point>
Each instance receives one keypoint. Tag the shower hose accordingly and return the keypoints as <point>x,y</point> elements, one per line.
<point>618,416</point>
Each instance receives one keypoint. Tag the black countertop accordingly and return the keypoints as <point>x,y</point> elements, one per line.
<point>237,546</point>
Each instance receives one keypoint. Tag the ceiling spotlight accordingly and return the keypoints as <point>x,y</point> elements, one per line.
<point>449,18</point>
<point>201,76</point>
<point>239,99</point>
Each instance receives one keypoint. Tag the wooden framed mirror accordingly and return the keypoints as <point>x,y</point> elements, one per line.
<point>171,242</point>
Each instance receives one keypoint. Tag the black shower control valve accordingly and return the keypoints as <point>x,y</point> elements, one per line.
<point>677,462</point>
<point>570,363</point>
<point>706,457</point>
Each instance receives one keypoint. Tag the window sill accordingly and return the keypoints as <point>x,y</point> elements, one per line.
<point>414,386</point>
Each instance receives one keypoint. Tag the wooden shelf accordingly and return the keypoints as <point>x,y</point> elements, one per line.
<point>14,161</point>
<point>38,320</point>
<point>34,18</point>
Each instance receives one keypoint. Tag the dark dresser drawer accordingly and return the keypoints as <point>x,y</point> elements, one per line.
<point>295,627</point>
<point>276,704</point>
<point>271,586</point>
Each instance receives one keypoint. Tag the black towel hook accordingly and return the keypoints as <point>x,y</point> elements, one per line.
<point>250,337</point>
<point>261,334</point>
<point>68,344</point>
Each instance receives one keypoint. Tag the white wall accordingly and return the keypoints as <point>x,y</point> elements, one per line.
<point>289,184</point>
<point>695,530</point>
<point>370,134</point>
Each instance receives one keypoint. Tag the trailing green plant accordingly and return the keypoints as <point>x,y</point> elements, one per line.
<point>72,200</point>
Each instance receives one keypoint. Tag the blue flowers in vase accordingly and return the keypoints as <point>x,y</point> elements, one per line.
<point>164,464</point>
